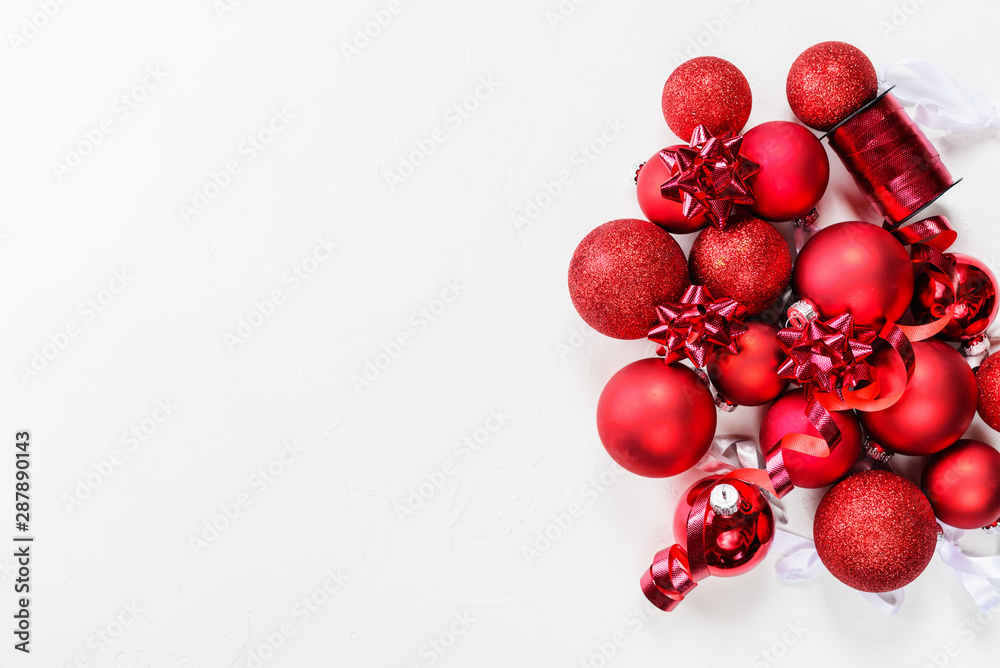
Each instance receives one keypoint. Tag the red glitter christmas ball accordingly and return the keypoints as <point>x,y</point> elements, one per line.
<point>621,272</point>
<point>750,377</point>
<point>794,170</point>
<point>666,213</point>
<point>786,416</point>
<point>655,419</point>
<point>706,91</point>
<point>962,483</point>
<point>828,82</point>
<point>988,385</point>
<point>748,261</point>
<point>875,531</point>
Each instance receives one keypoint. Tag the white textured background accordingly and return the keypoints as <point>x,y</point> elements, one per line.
<point>117,517</point>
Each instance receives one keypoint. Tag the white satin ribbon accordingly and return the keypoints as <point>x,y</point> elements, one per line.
<point>941,101</point>
<point>975,573</point>
<point>801,563</point>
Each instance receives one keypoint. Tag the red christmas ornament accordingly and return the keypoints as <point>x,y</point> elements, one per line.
<point>963,484</point>
<point>621,272</point>
<point>706,91</point>
<point>738,531</point>
<point>988,386</point>
<point>875,531</point>
<point>667,213</point>
<point>786,416</point>
<point>794,170</point>
<point>711,176</point>
<point>976,307</point>
<point>828,82</point>
<point>656,420</point>
<point>748,261</point>
<point>698,325</point>
<point>749,377</point>
<point>857,268</point>
<point>936,408</point>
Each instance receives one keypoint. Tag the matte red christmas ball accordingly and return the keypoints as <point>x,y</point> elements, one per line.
<point>794,169</point>
<point>656,420</point>
<point>621,272</point>
<point>786,416</point>
<point>962,483</point>
<point>749,378</point>
<point>858,268</point>
<point>936,408</point>
<point>875,531</point>
<point>666,213</point>
<point>706,91</point>
<point>749,261</point>
<point>976,307</point>
<point>988,386</point>
<point>828,82</point>
<point>738,533</point>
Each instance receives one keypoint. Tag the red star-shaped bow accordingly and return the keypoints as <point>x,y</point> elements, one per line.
<point>698,326</point>
<point>828,356</point>
<point>711,175</point>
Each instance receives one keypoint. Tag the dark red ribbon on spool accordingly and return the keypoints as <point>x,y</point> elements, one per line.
<point>890,158</point>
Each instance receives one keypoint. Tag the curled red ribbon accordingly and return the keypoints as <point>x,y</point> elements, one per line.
<point>698,326</point>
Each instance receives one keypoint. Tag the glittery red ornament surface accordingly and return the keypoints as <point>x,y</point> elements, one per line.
<point>706,91</point>
<point>828,82</point>
<point>875,531</point>
<point>621,272</point>
<point>748,261</point>
<point>988,382</point>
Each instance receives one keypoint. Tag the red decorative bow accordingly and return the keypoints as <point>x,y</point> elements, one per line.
<point>828,356</point>
<point>698,326</point>
<point>711,175</point>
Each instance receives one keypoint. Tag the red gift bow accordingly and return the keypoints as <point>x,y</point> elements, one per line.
<point>828,356</point>
<point>698,326</point>
<point>711,175</point>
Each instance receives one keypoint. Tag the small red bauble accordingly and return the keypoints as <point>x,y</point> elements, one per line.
<point>828,82</point>
<point>794,169</point>
<point>749,261</point>
<point>666,213</point>
<point>706,91</point>
<point>963,484</point>
<point>977,297</point>
<point>656,420</point>
<point>858,268</point>
<point>988,385</point>
<point>936,408</point>
<point>875,531</point>
<point>621,272</point>
<point>786,416</point>
<point>734,544</point>
<point>750,377</point>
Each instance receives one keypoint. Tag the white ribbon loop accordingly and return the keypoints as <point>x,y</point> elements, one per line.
<point>941,101</point>
<point>974,573</point>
